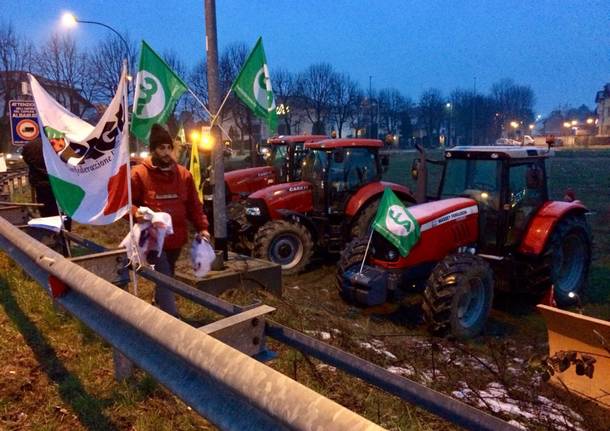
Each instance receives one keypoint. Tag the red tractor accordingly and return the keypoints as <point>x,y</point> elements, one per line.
<point>491,226</point>
<point>283,155</point>
<point>335,201</point>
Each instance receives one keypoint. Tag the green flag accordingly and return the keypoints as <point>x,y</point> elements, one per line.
<point>395,223</point>
<point>253,86</point>
<point>158,89</point>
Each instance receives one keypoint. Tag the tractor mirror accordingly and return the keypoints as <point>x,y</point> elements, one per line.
<point>385,163</point>
<point>415,169</point>
<point>339,156</point>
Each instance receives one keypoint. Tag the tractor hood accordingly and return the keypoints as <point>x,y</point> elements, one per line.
<point>444,225</point>
<point>245,181</point>
<point>295,197</point>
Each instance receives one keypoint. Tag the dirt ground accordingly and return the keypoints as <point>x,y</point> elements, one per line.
<point>56,375</point>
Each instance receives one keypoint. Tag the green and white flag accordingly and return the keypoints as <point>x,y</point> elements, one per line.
<point>395,223</point>
<point>253,86</point>
<point>158,89</point>
<point>87,165</point>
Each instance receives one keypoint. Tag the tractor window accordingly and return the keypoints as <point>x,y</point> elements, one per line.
<point>279,158</point>
<point>527,192</point>
<point>477,179</point>
<point>299,154</point>
<point>359,167</point>
<point>313,170</point>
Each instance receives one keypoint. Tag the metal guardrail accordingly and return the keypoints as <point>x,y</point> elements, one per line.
<point>229,388</point>
<point>444,406</point>
<point>13,179</point>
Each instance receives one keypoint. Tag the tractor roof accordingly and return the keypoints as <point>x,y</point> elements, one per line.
<point>285,139</point>
<point>345,143</point>
<point>497,152</point>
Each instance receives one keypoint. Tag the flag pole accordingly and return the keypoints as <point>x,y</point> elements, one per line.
<point>208,112</point>
<point>129,200</point>
<point>366,251</point>
<point>221,106</point>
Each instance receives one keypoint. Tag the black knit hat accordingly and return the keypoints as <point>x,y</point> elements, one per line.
<point>158,136</point>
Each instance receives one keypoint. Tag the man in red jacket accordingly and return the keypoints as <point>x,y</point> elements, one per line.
<point>161,184</point>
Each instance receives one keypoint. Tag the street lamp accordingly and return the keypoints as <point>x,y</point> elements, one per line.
<point>449,106</point>
<point>69,21</point>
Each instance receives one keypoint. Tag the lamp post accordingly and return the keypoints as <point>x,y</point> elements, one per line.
<point>449,106</point>
<point>69,20</point>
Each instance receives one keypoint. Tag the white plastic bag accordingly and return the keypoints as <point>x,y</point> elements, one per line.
<point>202,256</point>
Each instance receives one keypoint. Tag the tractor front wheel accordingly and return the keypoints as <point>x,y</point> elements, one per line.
<point>287,244</point>
<point>570,257</point>
<point>458,295</point>
<point>350,262</point>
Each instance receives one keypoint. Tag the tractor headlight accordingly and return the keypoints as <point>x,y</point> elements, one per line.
<point>253,211</point>
<point>392,255</point>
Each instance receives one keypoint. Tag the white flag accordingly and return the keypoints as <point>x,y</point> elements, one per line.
<point>87,165</point>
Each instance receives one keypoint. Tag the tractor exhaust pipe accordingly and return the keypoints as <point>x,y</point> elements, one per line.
<point>419,172</point>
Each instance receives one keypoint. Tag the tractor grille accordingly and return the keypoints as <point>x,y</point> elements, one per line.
<point>460,232</point>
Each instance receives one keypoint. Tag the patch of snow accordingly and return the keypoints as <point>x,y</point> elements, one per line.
<point>379,350</point>
<point>405,371</point>
<point>335,331</point>
<point>326,367</point>
<point>495,397</point>
<point>325,336</point>
<point>294,287</point>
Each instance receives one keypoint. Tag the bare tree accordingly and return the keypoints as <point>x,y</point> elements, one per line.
<point>61,61</point>
<point>392,108</point>
<point>198,82</point>
<point>345,96</point>
<point>315,87</point>
<point>515,102</point>
<point>431,112</point>
<point>285,91</point>
<point>15,56</point>
<point>107,62</point>
<point>229,65</point>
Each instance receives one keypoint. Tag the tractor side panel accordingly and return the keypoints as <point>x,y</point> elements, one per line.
<point>249,180</point>
<point>543,223</point>
<point>445,226</point>
<point>296,197</point>
<point>375,189</point>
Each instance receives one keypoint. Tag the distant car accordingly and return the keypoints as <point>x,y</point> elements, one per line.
<point>507,142</point>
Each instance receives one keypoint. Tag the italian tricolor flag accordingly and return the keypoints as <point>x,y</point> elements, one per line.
<point>87,165</point>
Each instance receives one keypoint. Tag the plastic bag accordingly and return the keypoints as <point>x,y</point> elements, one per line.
<point>202,256</point>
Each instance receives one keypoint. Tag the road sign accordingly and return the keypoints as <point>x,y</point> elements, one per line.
<point>24,121</point>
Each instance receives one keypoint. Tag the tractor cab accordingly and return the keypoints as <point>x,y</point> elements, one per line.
<point>508,183</point>
<point>336,169</point>
<point>285,154</point>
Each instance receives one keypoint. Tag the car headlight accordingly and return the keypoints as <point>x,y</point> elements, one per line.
<point>253,211</point>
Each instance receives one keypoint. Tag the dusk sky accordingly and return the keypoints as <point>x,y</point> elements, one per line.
<point>560,48</point>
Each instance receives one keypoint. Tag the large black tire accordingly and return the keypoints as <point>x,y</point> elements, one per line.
<point>285,243</point>
<point>569,250</point>
<point>459,295</point>
<point>362,221</point>
<point>351,257</point>
<point>241,242</point>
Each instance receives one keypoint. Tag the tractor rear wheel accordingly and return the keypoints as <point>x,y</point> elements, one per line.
<point>350,261</point>
<point>287,244</point>
<point>458,295</point>
<point>569,249</point>
<point>363,220</point>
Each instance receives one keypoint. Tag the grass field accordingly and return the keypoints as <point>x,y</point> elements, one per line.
<point>56,375</point>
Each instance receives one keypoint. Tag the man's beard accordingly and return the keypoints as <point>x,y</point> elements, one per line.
<point>162,162</point>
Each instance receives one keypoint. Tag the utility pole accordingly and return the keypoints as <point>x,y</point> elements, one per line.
<point>218,173</point>
<point>474,102</point>
<point>370,106</point>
